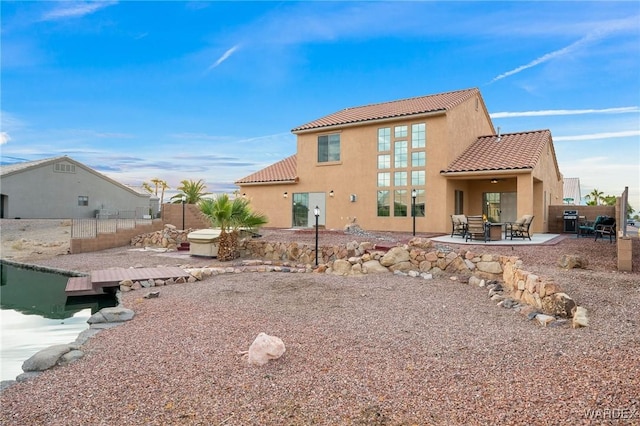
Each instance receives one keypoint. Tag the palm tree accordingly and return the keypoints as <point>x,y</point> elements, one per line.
<point>193,191</point>
<point>147,187</point>
<point>231,217</point>
<point>163,186</point>
<point>594,196</point>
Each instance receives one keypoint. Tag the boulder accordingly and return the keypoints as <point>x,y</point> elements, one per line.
<point>374,267</point>
<point>71,356</point>
<point>265,348</point>
<point>341,267</point>
<point>395,255</point>
<point>570,261</point>
<point>46,358</point>
<point>117,314</point>
<point>558,304</point>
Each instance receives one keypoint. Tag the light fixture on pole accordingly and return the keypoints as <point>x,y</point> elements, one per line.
<point>184,200</point>
<point>414,194</point>
<point>316,212</point>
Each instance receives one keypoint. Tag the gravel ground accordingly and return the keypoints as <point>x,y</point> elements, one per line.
<point>372,350</point>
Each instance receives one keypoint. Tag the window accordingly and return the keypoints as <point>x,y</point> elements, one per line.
<point>300,208</point>
<point>459,202</point>
<point>418,135</point>
<point>383,203</point>
<point>384,161</point>
<point>400,154</point>
<point>400,132</point>
<point>420,202</point>
<point>328,148</point>
<point>418,159</point>
<point>384,139</point>
<point>417,177</point>
<point>400,202</point>
<point>400,178</point>
<point>384,179</point>
<point>83,200</point>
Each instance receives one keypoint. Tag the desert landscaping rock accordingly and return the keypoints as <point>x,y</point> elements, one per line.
<point>385,349</point>
<point>46,358</point>
<point>116,314</point>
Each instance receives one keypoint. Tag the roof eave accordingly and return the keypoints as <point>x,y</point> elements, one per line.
<point>271,182</point>
<point>494,172</point>
<point>368,121</point>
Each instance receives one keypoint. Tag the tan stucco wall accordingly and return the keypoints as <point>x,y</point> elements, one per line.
<point>447,136</point>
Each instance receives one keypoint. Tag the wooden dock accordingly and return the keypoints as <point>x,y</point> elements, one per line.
<point>97,281</point>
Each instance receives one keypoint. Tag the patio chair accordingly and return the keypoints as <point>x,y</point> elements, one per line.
<point>606,227</point>
<point>458,225</point>
<point>588,228</point>
<point>520,228</point>
<point>476,229</point>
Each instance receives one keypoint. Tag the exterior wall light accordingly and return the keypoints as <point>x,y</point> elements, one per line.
<point>331,193</point>
<point>285,195</point>
<point>352,198</point>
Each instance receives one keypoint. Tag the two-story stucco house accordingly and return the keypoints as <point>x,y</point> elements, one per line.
<point>434,156</point>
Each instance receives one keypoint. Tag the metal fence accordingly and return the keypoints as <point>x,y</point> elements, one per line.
<point>91,227</point>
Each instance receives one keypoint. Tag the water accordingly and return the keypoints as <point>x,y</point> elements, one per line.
<point>35,313</point>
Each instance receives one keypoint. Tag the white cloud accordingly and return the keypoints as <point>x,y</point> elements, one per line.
<point>593,136</point>
<point>4,138</point>
<point>603,30</point>
<point>224,57</point>
<point>547,57</point>
<point>75,9</point>
<point>554,112</point>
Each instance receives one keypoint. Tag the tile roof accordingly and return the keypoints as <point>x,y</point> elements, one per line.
<point>282,171</point>
<point>512,151</point>
<point>400,108</point>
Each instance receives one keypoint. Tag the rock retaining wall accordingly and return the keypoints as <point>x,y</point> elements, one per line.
<point>421,256</point>
<point>416,258</point>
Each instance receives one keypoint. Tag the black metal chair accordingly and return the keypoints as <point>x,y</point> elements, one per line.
<point>458,225</point>
<point>520,228</point>
<point>606,227</point>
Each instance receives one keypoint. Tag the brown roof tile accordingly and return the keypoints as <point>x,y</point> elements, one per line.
<point>512,151</point>
<point>282,171</point>
<point>400,108</point>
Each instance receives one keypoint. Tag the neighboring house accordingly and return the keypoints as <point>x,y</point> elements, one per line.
<point>571,190</point>
<point>62,188</point>
<point>366,164</point>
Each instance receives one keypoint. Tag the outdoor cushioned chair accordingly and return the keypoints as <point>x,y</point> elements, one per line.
<point>476,229</point>
<point>588,228</point>
<point>458,225</point>
<point>520,228</point>
<point>606,227</point>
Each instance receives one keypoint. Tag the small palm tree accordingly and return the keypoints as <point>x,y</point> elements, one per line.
<point>193,191</point>
<point>231,217</point>
<point>594,196</point>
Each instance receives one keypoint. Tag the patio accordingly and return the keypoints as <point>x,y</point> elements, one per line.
<point>536,239</point>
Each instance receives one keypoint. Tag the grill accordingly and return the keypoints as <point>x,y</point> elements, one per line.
<point>570,218</point>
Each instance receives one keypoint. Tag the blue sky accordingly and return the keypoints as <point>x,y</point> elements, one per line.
<point>211,90</point>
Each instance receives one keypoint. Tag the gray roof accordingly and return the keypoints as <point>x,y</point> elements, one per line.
<point>10,169</point>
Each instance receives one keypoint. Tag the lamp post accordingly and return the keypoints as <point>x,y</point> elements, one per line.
<point>184,199</point>
<point>316,212</point>
<point>414,194</point>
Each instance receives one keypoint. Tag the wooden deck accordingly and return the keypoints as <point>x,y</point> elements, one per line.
<point>97,281</point>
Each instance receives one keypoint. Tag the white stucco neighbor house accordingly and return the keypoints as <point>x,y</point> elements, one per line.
<point>62,188</point>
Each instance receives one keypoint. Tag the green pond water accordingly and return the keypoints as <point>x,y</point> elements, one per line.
<point>35,313</point>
